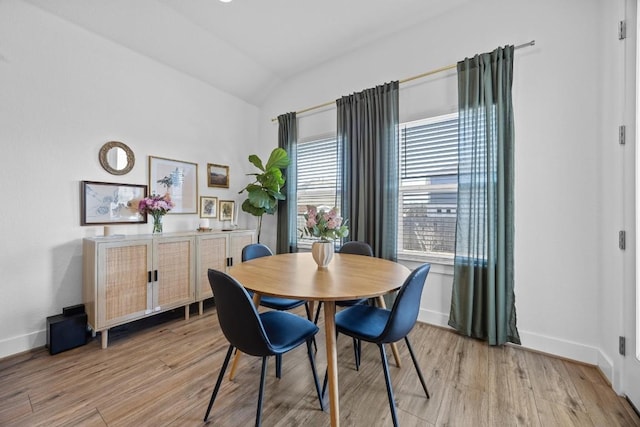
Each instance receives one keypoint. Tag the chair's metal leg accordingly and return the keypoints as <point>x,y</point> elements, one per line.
<point>315,320</point>
<point>306,307</point>
<point>315,374</point>
<point>387,378</point>
<point>356,352</point>
<point>415,363</point>
<point>324,382</point>
<point>263,376</point>
<point>278,366</point>
<point>217,387</point>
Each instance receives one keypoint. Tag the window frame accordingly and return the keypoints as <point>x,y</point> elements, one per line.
<point>304,243</point>
<point>413,255</point>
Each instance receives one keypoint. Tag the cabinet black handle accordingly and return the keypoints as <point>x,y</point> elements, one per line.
<point>155,275</point>
<point>148,276</point>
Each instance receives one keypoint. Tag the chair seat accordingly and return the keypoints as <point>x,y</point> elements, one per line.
<point>283,304</point>
<point>285,330</point>
<point>362,322</point>
<point>350,302</point>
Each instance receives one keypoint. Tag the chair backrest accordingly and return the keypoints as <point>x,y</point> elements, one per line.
<point>404,312</point>
<point>255,250</point>
<point>238,317</point>
<point>357,248</point>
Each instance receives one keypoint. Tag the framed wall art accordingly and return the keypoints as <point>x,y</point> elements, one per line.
<point>217,175</point>
<point>208,207</point>
<point>109,203</point>
<point>227,210</point>
<point>178,179</point>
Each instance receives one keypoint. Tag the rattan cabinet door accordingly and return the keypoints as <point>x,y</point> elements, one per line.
<point>123,286</point>
<point>237,241</point>
<point>173,272</point>
<point>212,253</point>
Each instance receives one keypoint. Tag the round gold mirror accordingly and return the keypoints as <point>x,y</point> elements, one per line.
<point>116,158</point>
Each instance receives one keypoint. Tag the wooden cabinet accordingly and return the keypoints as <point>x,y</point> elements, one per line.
<point>126,278</point>
<point>218,251</point>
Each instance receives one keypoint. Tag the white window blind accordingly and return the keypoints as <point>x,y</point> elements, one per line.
<point>428,187</point>
<point>318,177</point>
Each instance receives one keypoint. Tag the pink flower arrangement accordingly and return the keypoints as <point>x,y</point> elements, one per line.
<point>325,223</point>
<point>156,205</point>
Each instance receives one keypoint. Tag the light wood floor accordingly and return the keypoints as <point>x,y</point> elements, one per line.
<point>161,373</point>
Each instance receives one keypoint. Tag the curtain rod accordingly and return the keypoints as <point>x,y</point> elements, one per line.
<point>408,79</point>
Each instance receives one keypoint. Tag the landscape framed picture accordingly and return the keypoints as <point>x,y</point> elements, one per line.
<point>217,175</point>
<point>109,203</point>
<point>178,179</point>
<point>227,210</point>
<point>208,207</point>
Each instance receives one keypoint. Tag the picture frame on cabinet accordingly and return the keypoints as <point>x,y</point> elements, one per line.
<point>178,179</point>
<point>227,210</point>
<point>103,203</point>
<point>217,175</point>
<point>208,207</point>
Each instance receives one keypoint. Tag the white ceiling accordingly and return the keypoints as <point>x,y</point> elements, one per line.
<point>246,47</point>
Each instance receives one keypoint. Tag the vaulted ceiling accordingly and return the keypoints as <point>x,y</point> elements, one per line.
<point>246,47</point>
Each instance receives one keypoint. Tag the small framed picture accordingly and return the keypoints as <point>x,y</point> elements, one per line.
<point>227,210</point>
<point>217,175</point>
<point>107,203</point>
<point>208,207</point>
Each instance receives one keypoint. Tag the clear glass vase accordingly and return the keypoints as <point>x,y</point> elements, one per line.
<point>157,224</point>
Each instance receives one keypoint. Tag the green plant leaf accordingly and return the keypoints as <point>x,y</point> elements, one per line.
<point>250,209</point>
<point>260,199</point>
<point>255,160</point>
<point>278,159</point>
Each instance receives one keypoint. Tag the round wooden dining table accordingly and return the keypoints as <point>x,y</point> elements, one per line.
<point>297,276</point>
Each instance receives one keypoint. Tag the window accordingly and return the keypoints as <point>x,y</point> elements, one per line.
<point>318,178</point>
<point>428,188</point>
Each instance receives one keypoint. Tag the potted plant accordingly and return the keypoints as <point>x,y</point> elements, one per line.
<point>264,193</point>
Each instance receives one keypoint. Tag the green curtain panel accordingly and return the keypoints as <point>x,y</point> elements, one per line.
<point>286,236</point>
<point>368,135</point>
<point>483,300</point>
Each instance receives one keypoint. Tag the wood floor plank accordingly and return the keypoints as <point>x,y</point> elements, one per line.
<point>162,374</point>
<point>550,381</point>
<point>603,407</point>
<point>511,398</point>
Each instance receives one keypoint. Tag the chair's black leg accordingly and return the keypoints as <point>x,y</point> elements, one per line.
<point>278,366</point>
<point>315,320</point>
<point>306,307</point>
<point>356,352</point>
<point>387,378</point>
<point>220,376</point>
<point>315,374</point>
<point>324,382</point>
<point>263,376</point>
<point>415,363</point>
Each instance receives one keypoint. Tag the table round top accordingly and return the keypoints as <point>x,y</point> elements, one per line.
<point>297,276</point>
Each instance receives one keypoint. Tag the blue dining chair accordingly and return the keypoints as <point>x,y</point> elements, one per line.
<point>258,250</point>
<point>272,333</point>
<point>354,248</point>
<point>382,326</point>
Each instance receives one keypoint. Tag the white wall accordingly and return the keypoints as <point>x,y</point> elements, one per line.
<point>562,92</point>
<point>63,93</point>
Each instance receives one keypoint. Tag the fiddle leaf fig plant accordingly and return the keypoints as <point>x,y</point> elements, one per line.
<point>264,193</point>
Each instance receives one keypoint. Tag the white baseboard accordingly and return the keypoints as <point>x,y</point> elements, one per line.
<point>546,344</point>
<point>22,343</point>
